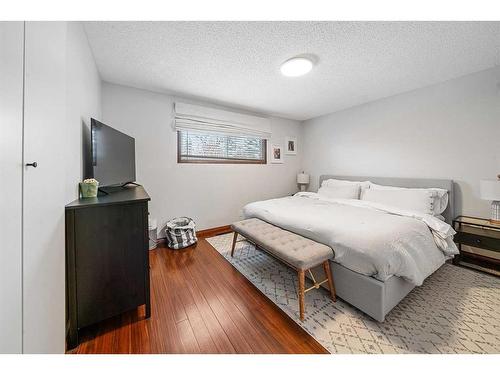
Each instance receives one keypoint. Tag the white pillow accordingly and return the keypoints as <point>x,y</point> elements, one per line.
<point>340,192</point>
<point>440,196</point>
<point>335,182</point>
<point>419,200</point>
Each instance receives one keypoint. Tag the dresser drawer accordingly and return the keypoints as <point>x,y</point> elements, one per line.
<point>494,256</point>
<point>477,241</point>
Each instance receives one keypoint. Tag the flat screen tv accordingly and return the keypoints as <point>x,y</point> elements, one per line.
<point>113,155</point>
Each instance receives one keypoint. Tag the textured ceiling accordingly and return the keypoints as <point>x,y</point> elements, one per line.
<point>237,63</point>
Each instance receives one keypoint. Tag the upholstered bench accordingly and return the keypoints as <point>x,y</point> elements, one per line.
<point>300,253</point>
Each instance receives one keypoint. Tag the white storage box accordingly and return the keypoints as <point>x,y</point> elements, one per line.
<point>153,233</point>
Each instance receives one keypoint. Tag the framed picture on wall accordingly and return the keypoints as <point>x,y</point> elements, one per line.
<point>276,154</point>
<point>291,145</point>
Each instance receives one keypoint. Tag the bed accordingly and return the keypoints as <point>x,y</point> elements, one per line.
<point>374,296</point>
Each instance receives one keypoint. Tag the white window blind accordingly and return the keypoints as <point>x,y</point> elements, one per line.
<point>190,117</point>
<point>209,147</point>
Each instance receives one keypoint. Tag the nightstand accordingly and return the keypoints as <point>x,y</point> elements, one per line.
<point>479,243</point>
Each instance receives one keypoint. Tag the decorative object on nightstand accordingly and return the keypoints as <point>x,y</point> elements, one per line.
<point>479,243</point>
<point>303,180</point>
<point>490,190</point>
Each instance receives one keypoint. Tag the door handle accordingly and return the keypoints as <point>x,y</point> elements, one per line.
<point>34,164</point>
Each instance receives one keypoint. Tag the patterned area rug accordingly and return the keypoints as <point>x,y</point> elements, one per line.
<point>456,310</point>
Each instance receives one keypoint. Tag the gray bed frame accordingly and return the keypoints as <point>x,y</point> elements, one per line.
<point>372,296</point>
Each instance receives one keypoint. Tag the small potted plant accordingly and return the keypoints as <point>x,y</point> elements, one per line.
<point>89,188</point>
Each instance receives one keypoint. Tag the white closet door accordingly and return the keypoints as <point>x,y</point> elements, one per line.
<point>11,169</point>
<point>44,195</point>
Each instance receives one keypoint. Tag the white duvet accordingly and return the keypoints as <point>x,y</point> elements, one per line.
<point>368,238</point>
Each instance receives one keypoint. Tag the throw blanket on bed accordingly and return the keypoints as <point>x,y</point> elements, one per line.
<point>368,238</point>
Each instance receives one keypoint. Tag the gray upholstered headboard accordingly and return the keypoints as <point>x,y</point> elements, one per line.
<point>408,183</point>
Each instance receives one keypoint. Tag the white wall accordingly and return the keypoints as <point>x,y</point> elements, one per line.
<point>211,194</point>
<point>83,101</point>
<point>450,130</point>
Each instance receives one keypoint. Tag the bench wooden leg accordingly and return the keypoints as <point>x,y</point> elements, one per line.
<point>234,243</point>
<point>301,292</point>
<point>331,284</point>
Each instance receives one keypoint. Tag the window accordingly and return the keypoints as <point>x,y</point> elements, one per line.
<point>210,147</point>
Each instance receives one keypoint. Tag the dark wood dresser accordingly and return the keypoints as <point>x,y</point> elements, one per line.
<point>107,262</point>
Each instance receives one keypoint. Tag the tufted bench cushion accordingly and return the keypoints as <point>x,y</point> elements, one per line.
<point>293,249</point>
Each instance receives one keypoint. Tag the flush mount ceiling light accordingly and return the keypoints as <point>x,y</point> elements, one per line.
<point>296,66</point>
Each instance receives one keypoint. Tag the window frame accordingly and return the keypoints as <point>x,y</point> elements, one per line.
<point>215,160</point>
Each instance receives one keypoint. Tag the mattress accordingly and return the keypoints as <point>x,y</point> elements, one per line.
<point>367,238</point>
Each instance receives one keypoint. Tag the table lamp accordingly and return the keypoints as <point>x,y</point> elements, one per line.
<point>303,180</point>
<point>490,190</point>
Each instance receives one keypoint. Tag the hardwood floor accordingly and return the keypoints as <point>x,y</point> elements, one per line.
<point>200,304</point>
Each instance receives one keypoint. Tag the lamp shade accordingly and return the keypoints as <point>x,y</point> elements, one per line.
<point>302,178</point>
<point>490,190</point>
